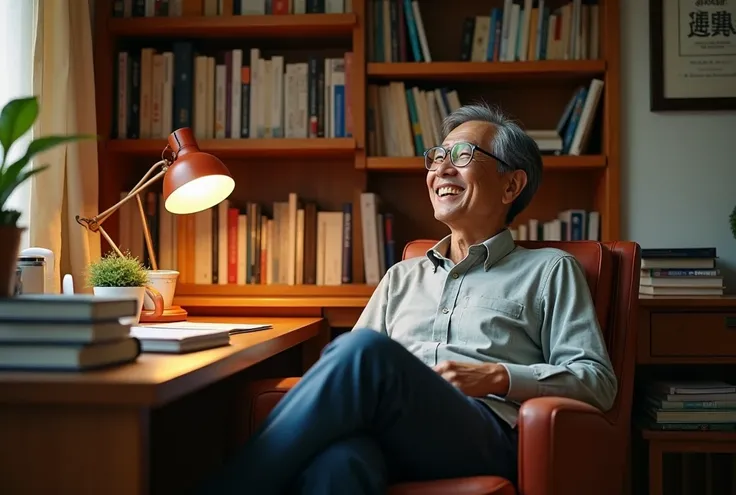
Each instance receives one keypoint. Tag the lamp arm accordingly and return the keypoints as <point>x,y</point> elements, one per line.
<point>95,224</point>
<point>142,184</point>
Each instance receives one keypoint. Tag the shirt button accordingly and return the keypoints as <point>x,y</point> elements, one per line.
<point>445,310</point>
<point>455,275</point>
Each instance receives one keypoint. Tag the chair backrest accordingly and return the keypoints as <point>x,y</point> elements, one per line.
<point>612,270</point>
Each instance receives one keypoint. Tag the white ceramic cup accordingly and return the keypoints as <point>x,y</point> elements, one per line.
<point>163,281</point>
<point>136,293</point>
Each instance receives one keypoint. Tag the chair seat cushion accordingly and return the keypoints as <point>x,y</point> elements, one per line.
<point>477,485</point>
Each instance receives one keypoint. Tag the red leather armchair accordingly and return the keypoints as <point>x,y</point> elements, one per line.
<point>565,446</point>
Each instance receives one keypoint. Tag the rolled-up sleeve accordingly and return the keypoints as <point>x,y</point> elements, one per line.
<point>577,361</point>
<point>374,314</point>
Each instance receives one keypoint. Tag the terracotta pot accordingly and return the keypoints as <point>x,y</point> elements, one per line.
<point>9,248</point>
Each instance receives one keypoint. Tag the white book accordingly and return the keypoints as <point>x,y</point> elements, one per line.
<point>277,96</point>
<point>368,213</point>
<point>203,247</point>
<point>220,101</point>
<point>236,93</point>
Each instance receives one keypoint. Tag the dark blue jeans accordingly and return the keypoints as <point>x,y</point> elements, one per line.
<point>368,414</point>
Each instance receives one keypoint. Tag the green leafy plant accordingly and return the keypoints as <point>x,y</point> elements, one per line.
<point>732,220</point>
<point>113,270</point>
<point>17,118</point>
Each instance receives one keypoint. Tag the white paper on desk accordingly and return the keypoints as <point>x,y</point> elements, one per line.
<point>232,328</point>
<point>180,334</point>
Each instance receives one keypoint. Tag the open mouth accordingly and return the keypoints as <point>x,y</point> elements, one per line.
<point>448,191</point>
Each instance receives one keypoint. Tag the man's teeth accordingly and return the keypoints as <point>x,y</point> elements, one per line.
<point>448,190</point>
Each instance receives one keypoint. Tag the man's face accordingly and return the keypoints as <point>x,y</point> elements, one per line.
<point>474,194</point>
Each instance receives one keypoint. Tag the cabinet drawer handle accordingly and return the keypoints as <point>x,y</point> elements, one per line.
<point>730,321</point>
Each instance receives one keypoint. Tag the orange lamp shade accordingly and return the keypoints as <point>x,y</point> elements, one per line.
<point>195,181</point>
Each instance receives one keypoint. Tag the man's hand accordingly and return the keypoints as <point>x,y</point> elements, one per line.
<point>475,380</point>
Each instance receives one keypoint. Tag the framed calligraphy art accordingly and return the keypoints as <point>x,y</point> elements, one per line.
<point>693,54</point>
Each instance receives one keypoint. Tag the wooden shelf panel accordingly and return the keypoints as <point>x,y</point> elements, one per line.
<point>337,296</point>
<point>244,26</point>
<point>483,71</point>
<point>413,163</point>
<point>245,148</point>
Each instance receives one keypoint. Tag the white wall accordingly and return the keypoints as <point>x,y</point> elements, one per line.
<point>678,168</point>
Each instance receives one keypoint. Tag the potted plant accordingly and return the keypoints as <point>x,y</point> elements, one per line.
<point>732,220</point>
<point>16,118</point>
<point>119,277</point>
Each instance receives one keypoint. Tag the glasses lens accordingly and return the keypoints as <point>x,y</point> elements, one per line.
<point>461,154</point>
<point>434,157</point>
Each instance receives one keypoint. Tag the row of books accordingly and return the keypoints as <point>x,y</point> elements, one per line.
<point>234,95</point>
<point>396,32</point>
<point>680,272</point>
<point>177,8</point>
<point>524,30</point>
<point>291,244</point>
<point>520,30</point>
<point>406,121</point>
<point>687,405</point>
<point>570,225</point>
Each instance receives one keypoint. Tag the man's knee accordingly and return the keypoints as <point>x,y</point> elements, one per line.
<point>362,339</point>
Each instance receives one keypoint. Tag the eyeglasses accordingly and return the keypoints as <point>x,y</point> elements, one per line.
<point>461,154</point>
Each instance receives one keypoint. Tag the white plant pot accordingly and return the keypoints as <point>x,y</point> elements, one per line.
<point>136,293</point>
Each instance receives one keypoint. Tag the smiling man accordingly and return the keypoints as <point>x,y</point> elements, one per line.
<point>429,383</point>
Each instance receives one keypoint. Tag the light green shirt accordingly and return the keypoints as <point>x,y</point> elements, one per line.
<point>527,309</point>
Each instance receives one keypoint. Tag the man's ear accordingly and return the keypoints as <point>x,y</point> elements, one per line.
<point>515,183</point>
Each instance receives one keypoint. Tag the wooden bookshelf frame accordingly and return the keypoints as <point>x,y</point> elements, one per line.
<point>115,156</point>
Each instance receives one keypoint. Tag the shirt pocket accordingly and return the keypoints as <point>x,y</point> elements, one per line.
<point>487,321</point>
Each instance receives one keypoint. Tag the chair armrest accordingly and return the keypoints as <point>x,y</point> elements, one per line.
<point>566,446</point>
<point>263,397</point>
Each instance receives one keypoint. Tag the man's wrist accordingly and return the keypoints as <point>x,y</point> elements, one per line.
<point>500,380</point>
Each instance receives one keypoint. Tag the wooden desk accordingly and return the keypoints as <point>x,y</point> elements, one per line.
<point>685,338</point>
<point>154,426</point>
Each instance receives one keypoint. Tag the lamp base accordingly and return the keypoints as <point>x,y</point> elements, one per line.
<point>170,315</point>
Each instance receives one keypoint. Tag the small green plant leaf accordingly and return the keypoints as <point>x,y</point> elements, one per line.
<point>42,144</point>
<point>732,220</point>
<point>115,271</point>
<point>6,189</point>
<point>16,119</point>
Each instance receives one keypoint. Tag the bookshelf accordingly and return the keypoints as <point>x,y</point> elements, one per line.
<point>333,171</point>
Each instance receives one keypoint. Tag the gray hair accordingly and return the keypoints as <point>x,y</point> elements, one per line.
<point>511,144</point>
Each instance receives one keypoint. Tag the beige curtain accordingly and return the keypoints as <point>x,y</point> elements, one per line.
<point>63,80</point>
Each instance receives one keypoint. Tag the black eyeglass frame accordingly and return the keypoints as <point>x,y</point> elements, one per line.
<point>473,148</point>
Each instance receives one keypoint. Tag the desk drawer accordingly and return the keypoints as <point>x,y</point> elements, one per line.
<point>693,334</point>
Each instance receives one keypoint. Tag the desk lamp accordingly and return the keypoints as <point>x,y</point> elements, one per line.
<point>193,181</point>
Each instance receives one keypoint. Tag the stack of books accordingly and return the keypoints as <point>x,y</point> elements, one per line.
<point>61,332</point>
<point>680,272</point>
<point>688,405</point>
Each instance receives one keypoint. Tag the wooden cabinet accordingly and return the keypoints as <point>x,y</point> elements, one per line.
<point>685,339</point>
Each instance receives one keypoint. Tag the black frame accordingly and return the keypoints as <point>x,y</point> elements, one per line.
<point>657,100</point>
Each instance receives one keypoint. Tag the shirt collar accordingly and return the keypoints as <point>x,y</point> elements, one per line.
<point>492,250</point>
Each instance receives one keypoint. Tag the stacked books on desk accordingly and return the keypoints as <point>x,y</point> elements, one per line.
<point>55,332</point>
<point>680,272</point>
<point>688,405</point>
